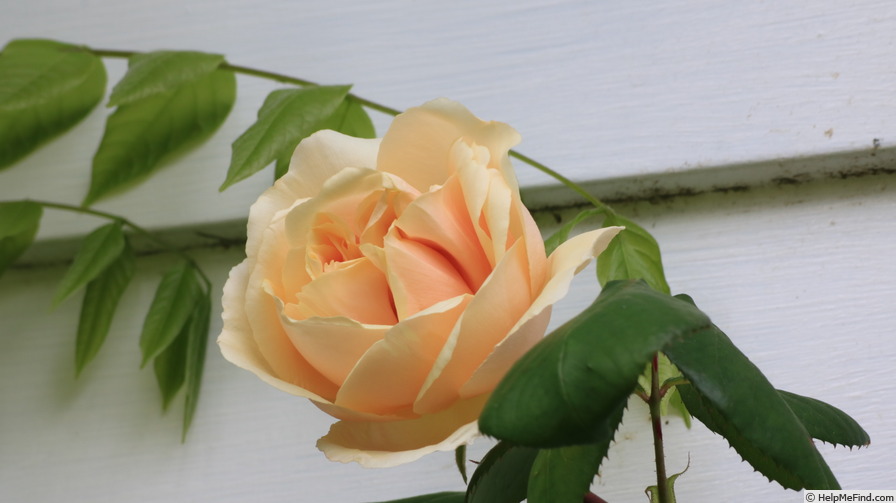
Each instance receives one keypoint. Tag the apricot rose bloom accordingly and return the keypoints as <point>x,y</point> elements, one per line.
<point>393,282</point>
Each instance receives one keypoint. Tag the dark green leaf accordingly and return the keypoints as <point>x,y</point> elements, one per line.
<point>175,300</point>
<point>160,71</point>
<point>826,422</point>
<point>732,398</point>
<point>99,249</point>
<point>170,366</point>
<point>565,389</point>
<point>502,476</point>
<point>564,474</point>
<point>197,333</point>
<point>460,459</point>
<point>19,221</point>
<point>287,116</point>
<point>562,234</point>
<point>443,497</point>
<point>46,87</point>
<point>98,307</point>
<point>632,254</point>
<point>141,135</point>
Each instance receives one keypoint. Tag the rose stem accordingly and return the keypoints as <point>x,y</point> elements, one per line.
<point>654,403</point>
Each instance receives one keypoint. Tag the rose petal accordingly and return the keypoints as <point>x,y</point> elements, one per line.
<point>357,290</point>
<point>418,143</point>
<point>332,345</point>
<point>440,220</point>
<point>385,444</point>
<point>316,159</point>
<point>239,346</point>
<point>390,374</point>
<point>419,276</point>
<point>506,353</point>
<point>495,309</point>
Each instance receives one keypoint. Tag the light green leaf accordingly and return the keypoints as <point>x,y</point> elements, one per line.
<point>46,87</point>
<point>564,474</point>
<point>161,71</point>
<point>286,117</point>
<point>98,307</point>
<point>19,221</point>
<point>732,398</point>
<point>175,300</point>
<point>562,234</point>
<point>143,134</point>
<point>826,422</point>
<point>632,254</point>
<point>443,497</point>
<point>99,249</point>
<point>502,475</point>
<point>668,372</point>
<point>565,389</point>
<point>197,341</point>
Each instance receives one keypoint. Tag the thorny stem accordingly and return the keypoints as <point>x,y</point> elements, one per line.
<point>287,79</point>
<point>134,227</point>
<point>662,488</point>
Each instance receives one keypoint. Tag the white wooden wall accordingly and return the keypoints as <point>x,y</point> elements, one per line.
<point>637,99</point>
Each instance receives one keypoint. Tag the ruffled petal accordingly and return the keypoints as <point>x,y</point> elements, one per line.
<point>385,444</point>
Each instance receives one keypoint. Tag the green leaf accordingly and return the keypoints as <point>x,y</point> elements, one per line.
<point>46,87</point>
<point>562,234</point>
<point>197,342</point>
<point>565,389</point>
<point>632,254</point>
<point>732,398</point>
<point>668,372</point>
<point>502,476</point>
<point>98,307</point>
<point>286,117</point>
<point>564,474</point>
<point>460,459</point>
<point>19,221</point>
<point>654,495</point>
<point>143,134</point>
<point>160,71</point>
<point>170,367</point>
<point>99,249</point>
<point>826,422</point>
<point>350,119</point>
<point>174,302</point>
<point>443,497</point>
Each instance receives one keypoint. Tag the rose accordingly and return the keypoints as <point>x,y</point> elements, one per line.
<point>393,282</point>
